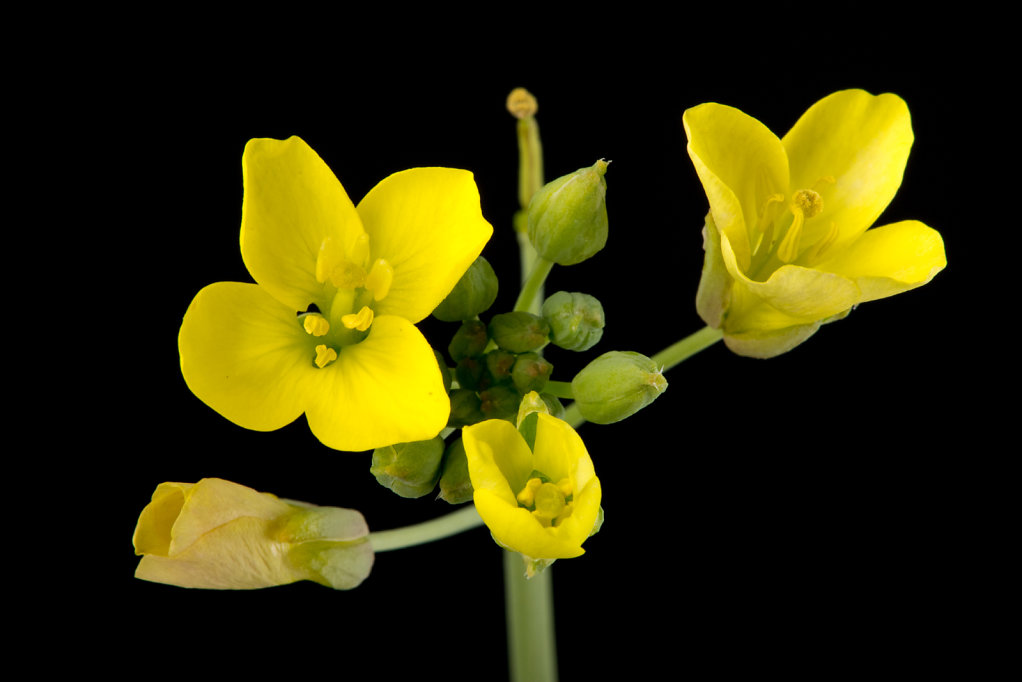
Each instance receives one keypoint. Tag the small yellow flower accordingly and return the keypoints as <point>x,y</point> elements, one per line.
<point>787,241</point>
<point>328,330</point>
<point>541,502</point>
<point>220,535</point>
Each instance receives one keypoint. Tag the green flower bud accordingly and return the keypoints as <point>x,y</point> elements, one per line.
<point>576,320</point>
<point>474,293</point>
<point>531,372</point>
<point>498,364</point>
<point>499,402</point>
<point>616,385</point>
<point>465,408</point>
<point>519,331</point>
<point>455,484</point>
<point>469,340</point>
<point>409,469</point>
<point>469,373</point>
<point>568,216</point>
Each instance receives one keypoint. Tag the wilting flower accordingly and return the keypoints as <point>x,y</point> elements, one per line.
<point>787,241</point>
<point>328,330</point>
<point>220,535</point>
<point>542,501</point>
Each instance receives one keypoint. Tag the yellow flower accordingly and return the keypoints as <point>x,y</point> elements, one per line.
<point>542,502</point>
<point>787,241</point>
<point>220,535</point>
<point>329,331</point>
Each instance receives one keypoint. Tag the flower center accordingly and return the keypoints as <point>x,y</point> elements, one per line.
<point>780,235</point>
<point>351,289</point>
<point>550,503</point>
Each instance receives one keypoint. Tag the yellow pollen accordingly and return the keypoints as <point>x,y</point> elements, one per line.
<point>527,497</point>
<point>315,324</point>
<point>360,320</point>
<point>380,277</point>
<point>324,355</point>
<point>809,201</point>
<point>521,103</point>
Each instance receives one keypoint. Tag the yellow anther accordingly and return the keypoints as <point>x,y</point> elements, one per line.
<point>315,324</point>
<point>379,279</point>
<point>360,320</point>
<point>521,103</point>
<point>550,503</point>
<point>527,497</point>
<point>805,203</point>
<point>324,355</point>
<point>567,486</point>
<point>809,201</point>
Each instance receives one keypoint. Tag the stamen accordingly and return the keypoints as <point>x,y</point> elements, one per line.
<point>360,320</point>
<point>764,222</point>
<point>315,324</point>
<point>360,251</point>
<point>347,275</point>
<point>809,201</point>
<point>527,497</point>
<point>805,203</point>
<point>380,277</point>
<point>324,355</point>
<point>821,246</point>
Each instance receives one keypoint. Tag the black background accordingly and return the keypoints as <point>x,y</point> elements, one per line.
<point>807,514</point>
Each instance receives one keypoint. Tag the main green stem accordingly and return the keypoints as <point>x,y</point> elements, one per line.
<point>532,646</point>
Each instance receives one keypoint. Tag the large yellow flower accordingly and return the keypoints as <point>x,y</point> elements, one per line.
<point>329,329</point>
<point>542,501</point>
<point>787,240</point>
<point>216,534</point>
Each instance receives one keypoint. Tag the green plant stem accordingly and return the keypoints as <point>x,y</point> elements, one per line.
<point>532,648</point>
<point>690,345</point>
<point>561,389</point>
<point>456,522</point>
<point>529,298</point>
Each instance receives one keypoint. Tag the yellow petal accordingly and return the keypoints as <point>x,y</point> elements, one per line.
<point>560,453</point>
<point>890,259</point>
<point>802,294</point>
<point>517,529</point>
<point>387,389</point>
<point>235,555</point>
<point>740,164</point>
<point>292,204</point>
<point>427,224</point>
<point>860,140</point>
<point>499,460</point>
<point>245,354</point>
<point>212,503</point>
<point>768,343</point>
<point>155,524</point>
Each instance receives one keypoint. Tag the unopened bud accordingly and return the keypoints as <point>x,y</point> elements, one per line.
<point>498,365</point>
<point>469,340</point>
<point>576,320</point>
<point>474,293</point>
<point>455,484</point>
<point>531,372</point>
<point>519,331</point>
<point>568,216</point>
<point>409,469</point>
<point>465,408</point>
<point>616,385</point>
<point>499,402</point>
